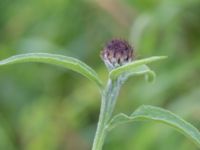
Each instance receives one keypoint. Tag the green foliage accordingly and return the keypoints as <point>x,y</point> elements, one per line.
<point>59,60</point>
<point>160,115</point>
<point>135,67</point>
<point>42,107</point>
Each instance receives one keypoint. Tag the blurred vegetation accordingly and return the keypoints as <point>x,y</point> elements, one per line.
<point>45,107</point>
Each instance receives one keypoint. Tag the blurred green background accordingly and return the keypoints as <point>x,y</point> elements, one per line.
<point>43,107</point>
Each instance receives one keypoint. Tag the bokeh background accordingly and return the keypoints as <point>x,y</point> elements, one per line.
<point>44,107</point>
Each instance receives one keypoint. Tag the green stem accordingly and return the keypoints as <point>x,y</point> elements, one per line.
<point>109,97</point>
<point>100,132</point>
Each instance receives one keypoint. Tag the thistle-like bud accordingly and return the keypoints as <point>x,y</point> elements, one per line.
<point>116,53</point>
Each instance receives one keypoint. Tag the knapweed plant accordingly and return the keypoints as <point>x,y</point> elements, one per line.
<point>119,59</point>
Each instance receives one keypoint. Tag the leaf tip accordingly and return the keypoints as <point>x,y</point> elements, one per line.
<point>163,57</point>
<point>150,76</point>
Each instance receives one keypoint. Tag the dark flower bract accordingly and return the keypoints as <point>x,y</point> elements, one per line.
<point>116,53</point>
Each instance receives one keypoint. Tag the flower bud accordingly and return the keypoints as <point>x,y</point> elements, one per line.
<point>116,53</point>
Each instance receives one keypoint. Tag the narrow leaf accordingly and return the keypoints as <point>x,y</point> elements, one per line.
<point>59,60</point>
<point>160,115</point>
<point>143,70</point>
<point>133,66</point>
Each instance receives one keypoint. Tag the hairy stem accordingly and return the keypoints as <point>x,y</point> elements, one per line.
<point>108,101</point>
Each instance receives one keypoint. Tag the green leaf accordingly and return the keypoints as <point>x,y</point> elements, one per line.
<point>133,66</point>
<point>143,70</point>
<point>59,60</point>
<point>160,115</point>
